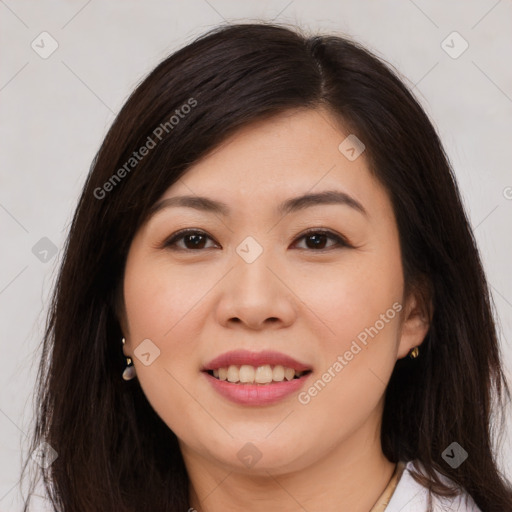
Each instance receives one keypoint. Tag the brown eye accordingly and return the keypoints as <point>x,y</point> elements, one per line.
<point>192,240</point>
<point>317,240</point>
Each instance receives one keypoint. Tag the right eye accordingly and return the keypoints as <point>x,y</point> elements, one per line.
<point>193,240</point>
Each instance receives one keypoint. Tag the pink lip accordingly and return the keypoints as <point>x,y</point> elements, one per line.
<point>240,357</point>
<point>256,394</point>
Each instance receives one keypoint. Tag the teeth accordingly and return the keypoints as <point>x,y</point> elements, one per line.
<point>278,373</point>
<point>263,374</point>
<point>233,374</point>
<point>289,373</point>
<point>248,374</point>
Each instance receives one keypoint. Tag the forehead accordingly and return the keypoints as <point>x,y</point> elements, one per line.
<point>285,156</point>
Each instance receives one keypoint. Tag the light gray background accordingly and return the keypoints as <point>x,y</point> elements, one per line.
<point>55,112</point>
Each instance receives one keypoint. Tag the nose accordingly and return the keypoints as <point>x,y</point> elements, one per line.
<point>256,295</point>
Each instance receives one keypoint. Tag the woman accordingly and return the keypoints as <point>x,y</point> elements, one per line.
<point>272,251</point>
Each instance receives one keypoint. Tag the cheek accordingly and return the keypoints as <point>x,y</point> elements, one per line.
<point>359,304</point>
<point>352,295</point>
<point>159,299</point>
<point>163,306</point>
<point>160,307</point>
<point>357,357</point>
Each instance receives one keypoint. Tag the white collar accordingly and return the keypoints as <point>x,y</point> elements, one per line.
<point>410,496</point>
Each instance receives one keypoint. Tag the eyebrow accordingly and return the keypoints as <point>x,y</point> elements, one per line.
<point>294,204</point>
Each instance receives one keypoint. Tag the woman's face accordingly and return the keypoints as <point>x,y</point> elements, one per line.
<point>316,286</point>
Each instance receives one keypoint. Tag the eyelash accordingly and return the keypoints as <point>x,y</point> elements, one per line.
<point>341,242</point>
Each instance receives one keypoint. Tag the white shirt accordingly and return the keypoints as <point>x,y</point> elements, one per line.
<point>410,496</point>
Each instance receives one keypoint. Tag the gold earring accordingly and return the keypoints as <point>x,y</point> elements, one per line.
<point>414,353</point>
<point>129,371</point>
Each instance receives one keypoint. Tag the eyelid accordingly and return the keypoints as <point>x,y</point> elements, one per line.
<point>180,234</point>
<point>340,240</point>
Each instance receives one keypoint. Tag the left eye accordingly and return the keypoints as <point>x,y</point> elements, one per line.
<point>319,239</point>
<point>195,240</point>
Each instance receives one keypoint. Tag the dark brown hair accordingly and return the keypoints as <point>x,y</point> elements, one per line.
<point>114,451</point>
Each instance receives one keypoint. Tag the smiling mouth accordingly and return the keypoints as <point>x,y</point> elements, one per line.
<point>265,374</point>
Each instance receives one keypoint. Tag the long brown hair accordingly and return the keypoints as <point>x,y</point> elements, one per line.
<point>114,451</point>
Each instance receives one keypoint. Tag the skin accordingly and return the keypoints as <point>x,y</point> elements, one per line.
<point>294,298</point>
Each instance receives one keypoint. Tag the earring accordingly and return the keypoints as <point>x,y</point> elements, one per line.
<point>414,353</point>
<point>129,371</point>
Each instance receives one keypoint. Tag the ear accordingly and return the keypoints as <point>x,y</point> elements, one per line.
<point>120,313</point>
<point>416,319</point>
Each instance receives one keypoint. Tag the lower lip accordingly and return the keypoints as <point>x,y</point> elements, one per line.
<point>256,394</point>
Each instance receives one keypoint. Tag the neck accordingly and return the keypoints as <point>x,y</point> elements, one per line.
<point>350,476</point>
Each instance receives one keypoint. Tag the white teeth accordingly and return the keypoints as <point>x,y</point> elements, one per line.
<point>278,373</point>
<point>263,374</point>
<point>289,373</point>
<point>233,374</point>
<point>248,374</point>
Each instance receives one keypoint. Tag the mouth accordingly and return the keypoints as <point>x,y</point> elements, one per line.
<point>263,375</point>
<point>256,378</point>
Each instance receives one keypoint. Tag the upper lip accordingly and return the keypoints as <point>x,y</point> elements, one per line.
<point>241,357</point>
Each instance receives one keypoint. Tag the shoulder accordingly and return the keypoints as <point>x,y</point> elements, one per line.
<point>410,496</point>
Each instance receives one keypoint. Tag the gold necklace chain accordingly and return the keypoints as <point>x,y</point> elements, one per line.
<point>383,500</point>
